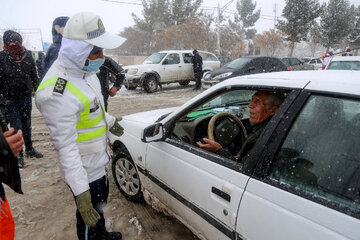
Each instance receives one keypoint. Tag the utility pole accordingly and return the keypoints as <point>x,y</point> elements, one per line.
<point>275,10</point>
<point>220,11</point>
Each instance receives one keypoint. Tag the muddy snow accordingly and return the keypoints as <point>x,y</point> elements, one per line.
<point>47,208</point>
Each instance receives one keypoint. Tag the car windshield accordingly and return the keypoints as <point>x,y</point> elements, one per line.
<point>344,65</point>
<point>154,58</point>
<point>238,63</point>
<point>305,59</point>
<point>233,101</point>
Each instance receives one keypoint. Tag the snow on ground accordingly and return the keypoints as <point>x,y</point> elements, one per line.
<point>47,208</point>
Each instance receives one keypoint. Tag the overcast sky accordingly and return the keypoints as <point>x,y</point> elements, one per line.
<point>37,15</point>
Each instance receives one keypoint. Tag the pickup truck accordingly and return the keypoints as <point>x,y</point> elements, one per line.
<point>166,67</point>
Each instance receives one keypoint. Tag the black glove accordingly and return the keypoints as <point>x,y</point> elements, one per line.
<point>116,129</point>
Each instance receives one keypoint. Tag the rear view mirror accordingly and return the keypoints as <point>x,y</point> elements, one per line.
<point>153,133</point>
<point>251,69</point>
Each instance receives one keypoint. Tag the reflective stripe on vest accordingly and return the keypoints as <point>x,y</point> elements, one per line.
<point>85,121</point>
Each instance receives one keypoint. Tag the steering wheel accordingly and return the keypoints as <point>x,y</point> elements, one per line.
<point>233,126</point>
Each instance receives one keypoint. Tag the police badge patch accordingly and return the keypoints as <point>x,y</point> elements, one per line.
<point>60,86</point>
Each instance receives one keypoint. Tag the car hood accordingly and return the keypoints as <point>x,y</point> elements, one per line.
<point>134,124</point>
<point>221,71</point>
<point>148,117</point>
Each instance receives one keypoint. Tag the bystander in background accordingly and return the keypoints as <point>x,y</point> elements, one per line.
<point>53,51</point>
<point>18,78</point>
<point>110,69</point>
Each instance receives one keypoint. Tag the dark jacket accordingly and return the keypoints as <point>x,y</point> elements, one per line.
<point>53,51</point>
<point>17,80</point>
<point>9,170</point>
<point>110,67</point>
<point>254,133</point>
<point>197,63</point>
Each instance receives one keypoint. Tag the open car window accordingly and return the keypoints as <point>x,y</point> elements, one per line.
<point>194,125</point>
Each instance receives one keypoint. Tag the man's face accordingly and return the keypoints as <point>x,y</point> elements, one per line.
<point>261,107</point>
<point>96,55</point>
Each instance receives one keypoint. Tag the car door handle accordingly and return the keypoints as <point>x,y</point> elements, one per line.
<point>179,66</point>
<point>221,194</point>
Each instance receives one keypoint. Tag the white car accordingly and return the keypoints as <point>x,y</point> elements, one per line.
<point>315,61</point>
<point>166,67</point>
<point>344,63</point>
<point>301,180</point>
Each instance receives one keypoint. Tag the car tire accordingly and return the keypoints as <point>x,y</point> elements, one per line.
<point>126,177</point>
<point>184,83</point>
<point>130,87</point>
<point>150,84</point>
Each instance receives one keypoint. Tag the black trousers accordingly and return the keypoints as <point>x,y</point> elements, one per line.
<point>99,191</point>
<point>198,76</point>
<point>18,112</point>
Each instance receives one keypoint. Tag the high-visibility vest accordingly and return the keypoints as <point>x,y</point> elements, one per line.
<point>85,121</point>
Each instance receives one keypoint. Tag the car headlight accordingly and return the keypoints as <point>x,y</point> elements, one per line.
<point>223,75</point>
<point>207,76</point>
<point>132,71</point>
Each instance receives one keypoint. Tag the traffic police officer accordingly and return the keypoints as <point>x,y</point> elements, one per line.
<point>69,98</point>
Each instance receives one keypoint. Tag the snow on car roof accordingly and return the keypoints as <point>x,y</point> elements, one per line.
<point>346,58</point>
<point>183,51</point>
<point>320,80</point>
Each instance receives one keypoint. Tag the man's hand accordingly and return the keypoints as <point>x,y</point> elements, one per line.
<point>15,141</point>
<point>209,145</point>
<point>113,90</point>
<point>116,129</point>
<point>86,209</point>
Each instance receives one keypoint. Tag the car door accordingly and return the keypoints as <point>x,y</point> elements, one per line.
<point>171,68</point>
<point>256,65</point>
<point>187,72</point>
<point>200,187</point>
<point>307,183</point>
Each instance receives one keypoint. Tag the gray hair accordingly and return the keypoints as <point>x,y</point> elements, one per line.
<point>276,98</point>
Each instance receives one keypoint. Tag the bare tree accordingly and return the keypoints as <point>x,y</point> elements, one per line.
<point>270,42</point>
<point>190,35</point>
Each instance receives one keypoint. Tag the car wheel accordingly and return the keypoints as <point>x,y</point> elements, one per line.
<point>151,84</point>
<point>126,177</point>
<point>130,87</point>
<point>184,83</point>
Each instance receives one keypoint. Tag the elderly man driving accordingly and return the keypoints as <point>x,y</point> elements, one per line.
<point>263,106</point>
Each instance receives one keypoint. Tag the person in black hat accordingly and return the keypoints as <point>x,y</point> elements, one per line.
<point>18,78</point>
<point>197,66</point>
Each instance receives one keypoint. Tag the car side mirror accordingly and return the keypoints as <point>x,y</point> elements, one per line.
<point>165,62</point>
<point>153,133</point>
<point>251,69</point>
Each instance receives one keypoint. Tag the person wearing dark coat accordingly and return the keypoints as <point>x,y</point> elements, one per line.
<point>53,51</point>
<point>10,146</point>
<point>197,66</point>
<point>39,68</point>
<point>263,106</point>
<point>18,78</point>
<point>110,67</point>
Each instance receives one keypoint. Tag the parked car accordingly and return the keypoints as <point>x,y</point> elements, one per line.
<point>344,63</point>
<point>315,61</point>
<point>224,60</point>
<point>243,66</point>
<point>301,179</point>
<point>166,67</point>
<point>296,64</point>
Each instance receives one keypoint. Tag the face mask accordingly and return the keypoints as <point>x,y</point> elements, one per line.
<point>94,65</point>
